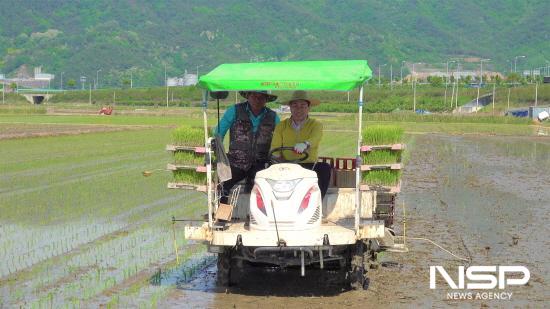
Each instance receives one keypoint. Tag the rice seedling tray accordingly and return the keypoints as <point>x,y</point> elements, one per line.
<point>188,158</point>
<point>186,186</point>
<point>177,167</point>
<point>188,136</point>
<point>394,166</point>
<point>197,150</point>
<point>382,135</point>
<point>394,147</point>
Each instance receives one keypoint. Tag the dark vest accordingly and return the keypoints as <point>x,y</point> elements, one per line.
<point>245,146</point>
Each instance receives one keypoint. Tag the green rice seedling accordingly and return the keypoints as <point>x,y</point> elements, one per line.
<point>190,177</point>
<point>188,158</point>
<point>384,156</point>
<point>382,135</point>
<point>381,177</point>
<point>188,136</point>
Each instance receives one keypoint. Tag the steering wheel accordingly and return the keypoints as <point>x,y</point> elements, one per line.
<point>275,159</point>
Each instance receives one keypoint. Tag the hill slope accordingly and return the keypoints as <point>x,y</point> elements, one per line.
<point>80,37</point>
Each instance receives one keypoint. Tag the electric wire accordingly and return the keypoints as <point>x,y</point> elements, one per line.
<point>437,245</point>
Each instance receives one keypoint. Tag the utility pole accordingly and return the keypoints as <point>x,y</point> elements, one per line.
<point>509,98</point>
<point>536,93</point>
<point>516,63</point>
<point>62,80</point>
<point>480,81</point>
<point>445,100</point>
<point>481,73</point>
<point>447,83</point>
<point>391,76</point>
<point>131,79</point>
<point>448,77</point>
<point>97,78</point>
<point>477,99</point>
<point>494,86</point>
<point>401,74</point>
<point>414,73</point>
<point>453,94</point>
<point>414,87</point>
<point>457,83</point>
<point>414,96</point>
<point>198,66</point>
<point>379,73</point>
<point>166,82</point>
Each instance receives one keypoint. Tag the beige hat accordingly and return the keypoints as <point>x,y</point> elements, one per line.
<point>302,95</point>
<point>270,97</point>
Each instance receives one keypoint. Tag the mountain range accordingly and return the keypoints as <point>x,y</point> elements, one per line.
<point>116,40</point>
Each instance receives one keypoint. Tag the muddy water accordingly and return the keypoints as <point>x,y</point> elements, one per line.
<point>486,199</point>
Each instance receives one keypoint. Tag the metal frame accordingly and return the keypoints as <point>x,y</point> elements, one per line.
<point>207,146</point>
<point>357,170</point>
<point>358,163</point>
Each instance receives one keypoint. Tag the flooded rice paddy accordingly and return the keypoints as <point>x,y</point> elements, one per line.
<point>485,198</point>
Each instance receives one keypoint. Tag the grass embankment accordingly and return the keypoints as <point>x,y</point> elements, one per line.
<point>430,98</point>
<point>153,96</point>
<point>411,123</point>
<point>140,120</point>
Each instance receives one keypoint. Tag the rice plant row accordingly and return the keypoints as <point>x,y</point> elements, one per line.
<point>103,263</point>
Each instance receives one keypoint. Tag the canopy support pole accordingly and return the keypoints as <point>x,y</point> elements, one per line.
<point>358,164</point>
<point>208,157</point>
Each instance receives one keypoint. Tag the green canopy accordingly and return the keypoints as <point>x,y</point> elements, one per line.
<point>339,75</point>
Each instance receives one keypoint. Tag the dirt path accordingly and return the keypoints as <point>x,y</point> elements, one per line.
<point>485,198</point>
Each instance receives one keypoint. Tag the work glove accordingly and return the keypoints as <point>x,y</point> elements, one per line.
<point>300,147</point>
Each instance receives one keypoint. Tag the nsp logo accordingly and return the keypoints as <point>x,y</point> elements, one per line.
<point>482,277</point>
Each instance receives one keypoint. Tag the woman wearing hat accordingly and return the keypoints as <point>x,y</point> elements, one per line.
<point>250,125</point>
<point>303,134</point>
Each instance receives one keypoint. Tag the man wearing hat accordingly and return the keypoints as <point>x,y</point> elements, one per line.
<point>250,126</point>
<point>303,134</point>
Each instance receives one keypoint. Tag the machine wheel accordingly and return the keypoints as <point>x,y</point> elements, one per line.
<point>224,268</point>
<point>359,262</point>
<point>229,269</point>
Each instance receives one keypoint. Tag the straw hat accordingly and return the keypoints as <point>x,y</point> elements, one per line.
<point>270,97</point>
<point>302,95</point>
